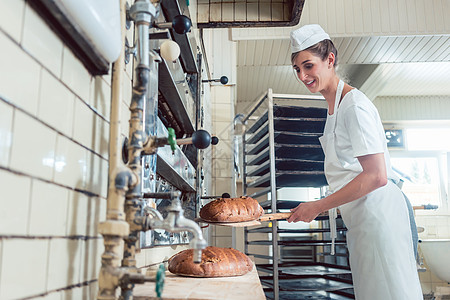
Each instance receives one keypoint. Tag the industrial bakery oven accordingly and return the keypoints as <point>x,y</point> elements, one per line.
<point>174,101</point>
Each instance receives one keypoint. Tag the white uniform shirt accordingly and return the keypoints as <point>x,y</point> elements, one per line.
<point>358,132</point>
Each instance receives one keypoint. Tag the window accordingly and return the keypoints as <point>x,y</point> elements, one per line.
<point>421,178</point>
<point>428,139</point>
<point>423,165</point>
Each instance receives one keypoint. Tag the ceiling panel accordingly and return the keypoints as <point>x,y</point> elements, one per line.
<point>409,79</point>
<point>363,50</point>
<point>264,64</point>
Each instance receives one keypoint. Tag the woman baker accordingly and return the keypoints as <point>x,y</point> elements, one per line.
<point>360,177</point>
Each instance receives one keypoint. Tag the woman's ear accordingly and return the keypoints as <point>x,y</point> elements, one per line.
<point>331,60</point>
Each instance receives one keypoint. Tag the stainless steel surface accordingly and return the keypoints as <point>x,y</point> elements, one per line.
<point>273,193</point>
<point>171,9</point>
<point>126,191</point>
<point>176,92</point>
<point>142,13</point>
<point>142,56</point>
<point>176,222</point>
<point>175,168</point>
<point>150,126</point>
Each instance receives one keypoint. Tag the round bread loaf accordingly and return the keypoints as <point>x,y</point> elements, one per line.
<point>231,210</point>
<point>216,262</point>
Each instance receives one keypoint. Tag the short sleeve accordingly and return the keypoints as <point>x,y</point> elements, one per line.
<point>363,128</point>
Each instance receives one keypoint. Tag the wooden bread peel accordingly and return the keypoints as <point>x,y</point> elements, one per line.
<point>263,218</point>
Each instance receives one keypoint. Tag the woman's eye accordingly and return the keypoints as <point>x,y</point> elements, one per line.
<point>308,66</point>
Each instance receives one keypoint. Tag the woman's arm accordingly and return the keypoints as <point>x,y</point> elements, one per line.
<point>372,177</point>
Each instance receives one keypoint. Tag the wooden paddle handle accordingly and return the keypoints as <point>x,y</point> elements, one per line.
<point>282,216</point>
<point>426,206</point>
<point>275,216</point>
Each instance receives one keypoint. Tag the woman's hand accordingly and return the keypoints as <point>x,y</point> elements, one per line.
<point>305,212</point>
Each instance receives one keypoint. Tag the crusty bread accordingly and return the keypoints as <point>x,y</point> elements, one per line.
<point>231,210</point>
<point>216,262</point>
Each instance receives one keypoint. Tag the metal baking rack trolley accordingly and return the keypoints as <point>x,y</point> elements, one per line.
<point>281,149</point>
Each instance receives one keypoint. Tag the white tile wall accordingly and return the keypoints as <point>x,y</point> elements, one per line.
<point>56,104</point>
<point>15,189</point>
<point>26,276</point>
<point>224,95</point>
<point>49,201</point>
<point>93,290</point>
<point>223,230</point>
<point>93,215</point>
<point>19,78</point>
<point>130,36</point>
<point>64,263</point>
<point>75,75</point>
<point>83,292</point>
<point>6,118</point>
<point>11,17</point>
<point>97,177</point>
<point>77,293</point>
<point>222,185</point>
<point>84,124</point>
<point>222,112</point>
<point>100,97</point>
<point>127,89</point>
<point>222,130</point>
<point>71,164</point>
<point>222,125</point>
<point>57,116</point>
<point>41,42</point>
<point>101,137</point>
<point>124,119</point>
<point>52,296</point>
<point>102,214</point>
<point>91,251</point>
<point>223,167</point>
<point>436,227</point>
<point>77,223</point>
<point>140,258</point>
<point>225,150</point>
<point>223,241</point>
<point>31,136</point>
<point>154,256</point>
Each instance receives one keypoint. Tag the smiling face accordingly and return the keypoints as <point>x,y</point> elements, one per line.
<point>315,73</point>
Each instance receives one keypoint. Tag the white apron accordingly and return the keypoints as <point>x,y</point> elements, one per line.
<point>379,236</point>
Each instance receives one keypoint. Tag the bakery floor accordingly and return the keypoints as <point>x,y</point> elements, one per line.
<point>177,287</point>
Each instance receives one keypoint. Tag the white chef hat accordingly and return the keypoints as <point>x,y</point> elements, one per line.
<point>307,36</point>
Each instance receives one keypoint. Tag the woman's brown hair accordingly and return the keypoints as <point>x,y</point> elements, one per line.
<point>321,49</point>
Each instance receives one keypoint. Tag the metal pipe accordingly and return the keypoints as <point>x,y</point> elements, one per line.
<point>142,12</point>
<point>124,219</point>
<point>244,178</point>
<point>176,222</point>
<point>115,227</point>
<point>273,193</point>
<point>257,104</point>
